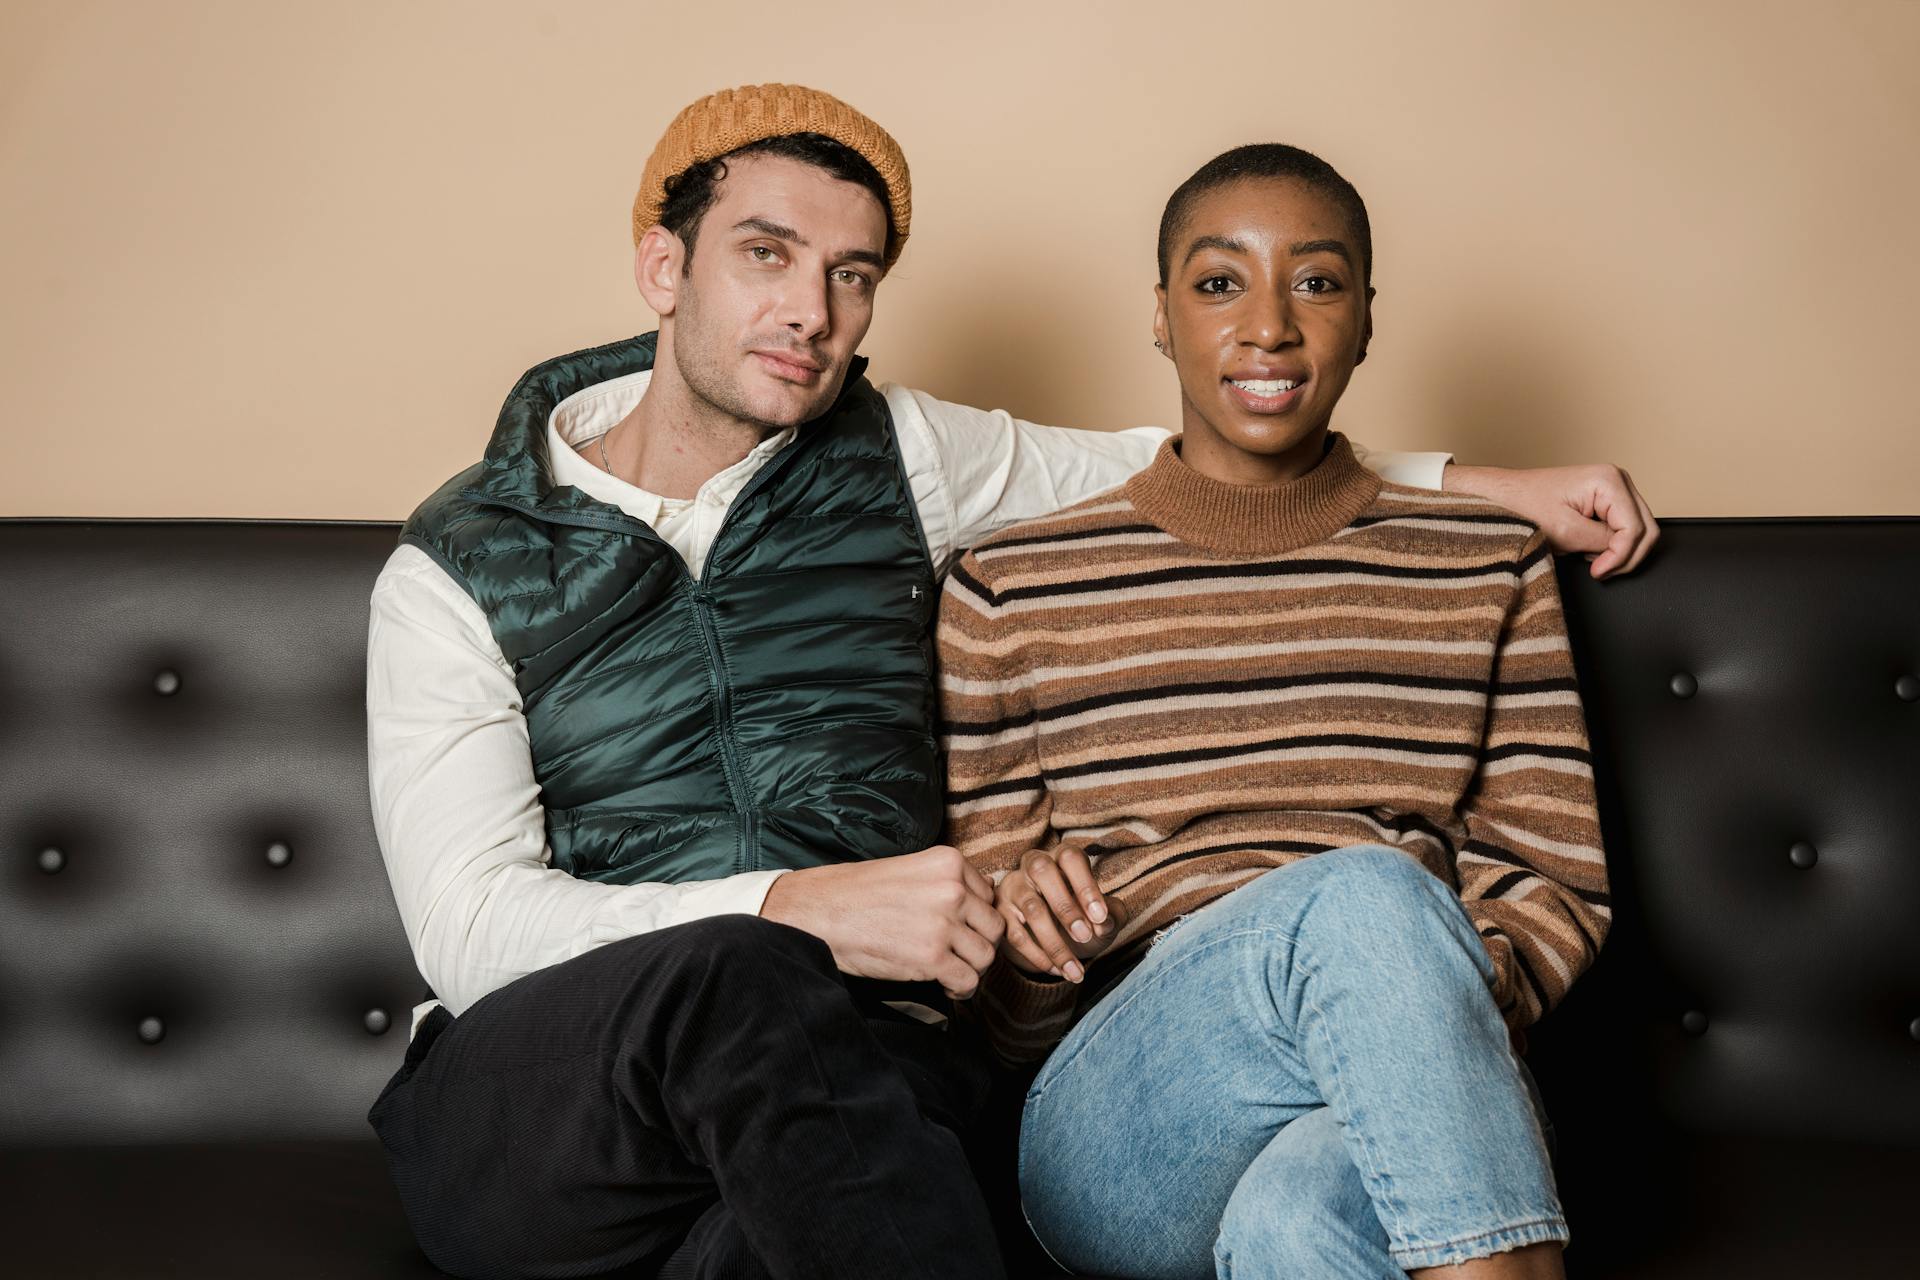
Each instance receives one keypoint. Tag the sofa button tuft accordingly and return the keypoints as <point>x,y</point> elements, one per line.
<point>1907,688</point>
<point>1683,685</point>
<point>377,1022</point>
<point>52,860</point>
<point>1693,1022</point>
<point>1913,1028</point>
<point>166,683</point>
<point>1803,855</point>
<point>152,1030</point>
<point>279,853</point>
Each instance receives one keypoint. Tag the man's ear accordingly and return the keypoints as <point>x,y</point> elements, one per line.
<point>1366,331</point>
<point>659,262</point>
<point>1162,338</point>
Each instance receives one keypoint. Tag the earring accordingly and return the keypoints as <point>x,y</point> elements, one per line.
<point>1157,346</point>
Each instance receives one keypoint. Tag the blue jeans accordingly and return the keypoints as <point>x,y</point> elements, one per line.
<point>1306,1078</point>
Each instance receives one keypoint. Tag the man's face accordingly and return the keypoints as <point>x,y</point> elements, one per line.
<point>780,291</point>
<point>1265,312</point>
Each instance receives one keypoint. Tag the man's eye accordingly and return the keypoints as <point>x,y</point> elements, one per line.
<point>851,278</point>
<point>761,253</point>
<point>1216,284</point>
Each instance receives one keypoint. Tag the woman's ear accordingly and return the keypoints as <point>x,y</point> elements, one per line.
<point>1162,337</point>
<point>1366,331</point>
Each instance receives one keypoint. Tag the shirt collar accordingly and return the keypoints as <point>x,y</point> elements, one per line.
<point>578,421</point>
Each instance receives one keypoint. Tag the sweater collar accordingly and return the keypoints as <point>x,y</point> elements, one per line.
<point>1256,519</point>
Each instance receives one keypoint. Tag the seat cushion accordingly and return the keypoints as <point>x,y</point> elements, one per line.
<point>291,1210</point>
<point>1766,1209</point>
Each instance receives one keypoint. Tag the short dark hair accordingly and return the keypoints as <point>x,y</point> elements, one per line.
<point>692,191</point>
<point>1262,160</point>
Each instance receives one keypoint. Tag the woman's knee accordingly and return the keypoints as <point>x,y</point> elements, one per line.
<point>1378,871</point>
<point>1373,886</point>
<point>1377,907</point>
<point>1357,879</point>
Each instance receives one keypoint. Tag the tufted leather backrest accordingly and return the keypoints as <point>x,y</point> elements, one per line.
<point>185,848</point>
<point>197,941</point>
<point>1754,701</point>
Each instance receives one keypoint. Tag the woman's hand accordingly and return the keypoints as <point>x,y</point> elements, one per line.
<point>1055,914</point>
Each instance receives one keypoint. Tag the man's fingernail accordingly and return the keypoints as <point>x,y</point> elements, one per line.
<point>1080,931</point>
<point>1098,910</point>
<point>1074,972</point>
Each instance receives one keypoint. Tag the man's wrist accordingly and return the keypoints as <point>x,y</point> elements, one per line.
<point>1491,483</point>
<point>1457,478</point>
<point>779,903</point>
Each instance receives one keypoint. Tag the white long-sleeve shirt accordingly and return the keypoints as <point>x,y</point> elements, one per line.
<point>455,803</point>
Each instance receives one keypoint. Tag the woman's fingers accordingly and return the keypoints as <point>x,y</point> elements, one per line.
<point>1046,932</point>
<point>1025,951</point>
<point>1044,872</point>
<point>1078,869</point>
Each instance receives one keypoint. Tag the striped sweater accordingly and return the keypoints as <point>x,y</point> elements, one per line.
<point>1195,682</point>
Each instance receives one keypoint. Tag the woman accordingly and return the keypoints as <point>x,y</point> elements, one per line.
<point>1282,777</point>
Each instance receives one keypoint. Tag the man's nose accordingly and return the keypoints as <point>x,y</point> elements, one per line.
<point>804,310</point>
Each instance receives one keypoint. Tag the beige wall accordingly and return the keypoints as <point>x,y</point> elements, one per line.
<point>284,259</point>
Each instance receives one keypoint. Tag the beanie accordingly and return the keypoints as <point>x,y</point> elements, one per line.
<point>732,118</point>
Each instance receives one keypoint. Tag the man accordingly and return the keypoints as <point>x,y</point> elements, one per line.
<point>652,756</point>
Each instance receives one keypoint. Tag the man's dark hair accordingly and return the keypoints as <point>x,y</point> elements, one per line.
<point>1259,161</point>
<point>691,192</point>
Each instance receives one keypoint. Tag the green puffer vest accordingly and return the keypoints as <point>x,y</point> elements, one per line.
<point>776,712</point>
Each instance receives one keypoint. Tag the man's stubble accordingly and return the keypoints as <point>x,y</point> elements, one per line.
<point>713,386</point>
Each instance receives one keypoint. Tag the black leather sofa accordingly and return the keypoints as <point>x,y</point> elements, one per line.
<point>203,982</point>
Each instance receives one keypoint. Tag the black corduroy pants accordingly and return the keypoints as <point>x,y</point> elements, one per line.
<point>710,1100</point>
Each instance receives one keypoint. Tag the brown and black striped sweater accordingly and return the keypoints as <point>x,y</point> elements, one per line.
<point>1195,682</point>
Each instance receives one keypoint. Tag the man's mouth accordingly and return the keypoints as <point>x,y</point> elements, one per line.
<point>789,368</point>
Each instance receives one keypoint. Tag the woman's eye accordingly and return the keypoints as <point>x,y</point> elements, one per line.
<point>1318,284</point>
<point>1216,284</point>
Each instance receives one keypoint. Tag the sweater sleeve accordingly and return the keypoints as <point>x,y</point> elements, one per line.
<point>998,806</point>
<point>1532,873</point>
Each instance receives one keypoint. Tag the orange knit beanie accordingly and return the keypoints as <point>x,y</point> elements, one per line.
<point>732,118</point>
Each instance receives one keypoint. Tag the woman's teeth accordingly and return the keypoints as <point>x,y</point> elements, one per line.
<point>1264,386</point>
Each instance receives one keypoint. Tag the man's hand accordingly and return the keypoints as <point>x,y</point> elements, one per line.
<point>1055,914</point>
<point>919,917</point>
<point>1592,509</point>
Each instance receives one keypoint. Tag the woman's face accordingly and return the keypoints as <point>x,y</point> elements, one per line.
<point>1264,313</point>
